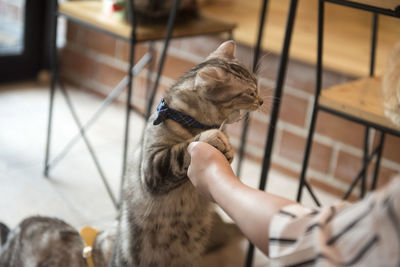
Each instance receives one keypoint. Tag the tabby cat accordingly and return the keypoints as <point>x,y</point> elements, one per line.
<point>164,221</point>
<point>391,87</point>
<point>50,242</point>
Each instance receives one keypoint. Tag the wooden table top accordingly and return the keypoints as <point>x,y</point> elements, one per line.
<point>90,12</point>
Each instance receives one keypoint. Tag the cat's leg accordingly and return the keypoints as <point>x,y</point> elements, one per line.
<point>219,140</point>
<point>166,168</point>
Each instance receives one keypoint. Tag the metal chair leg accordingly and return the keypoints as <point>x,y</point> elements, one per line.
<point>275,108</point>
<point>365,162</point>
<point>362,171</point>
<point>371,73</point>
<point>378,161</point>
<point>54,76</point>
<point>109,99</point>
<point>318,85</point>
<point>246,120</point>
<point>131,11</point>
<point>88,144</point>
<point>150,69</point>
<point>170,26</point>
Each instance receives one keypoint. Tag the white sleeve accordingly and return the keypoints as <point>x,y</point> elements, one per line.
<point>366,233</point>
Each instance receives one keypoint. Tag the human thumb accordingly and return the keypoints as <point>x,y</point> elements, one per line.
<point>191,146</point>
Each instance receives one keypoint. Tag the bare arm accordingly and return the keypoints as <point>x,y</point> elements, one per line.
<point>251,209</point>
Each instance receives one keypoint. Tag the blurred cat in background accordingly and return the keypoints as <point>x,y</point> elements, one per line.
<point>391,87</point>
<point>50,242</point>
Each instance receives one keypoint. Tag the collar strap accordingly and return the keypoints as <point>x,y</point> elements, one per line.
<point>88,235</point>
<point>164,112</point>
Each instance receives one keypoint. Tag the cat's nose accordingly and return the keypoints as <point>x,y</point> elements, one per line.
<point>260,102</point>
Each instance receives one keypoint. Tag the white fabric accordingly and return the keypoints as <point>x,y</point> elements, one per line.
<point>366,233</point>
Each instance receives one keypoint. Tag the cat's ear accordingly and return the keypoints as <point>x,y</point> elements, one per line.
<point>208,77</point>
<point>225,50</point>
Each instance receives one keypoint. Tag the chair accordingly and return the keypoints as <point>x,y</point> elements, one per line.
<point>358,101</point>
<point>89,14</point>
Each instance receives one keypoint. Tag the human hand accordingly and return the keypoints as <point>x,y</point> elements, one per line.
<point>207,165</point>
<point>219,140</point>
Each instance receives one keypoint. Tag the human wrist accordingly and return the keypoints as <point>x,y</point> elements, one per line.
<point>220,184</point>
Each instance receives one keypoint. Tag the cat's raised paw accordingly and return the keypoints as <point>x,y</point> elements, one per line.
<point>219,140</point>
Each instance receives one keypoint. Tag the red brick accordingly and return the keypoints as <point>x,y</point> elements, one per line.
<point>177,43</point>
<point>331,189</point>
<point>285,170</point>
<point>385,176</point>
<point>340,129</point>
<point>299,75</point>
<point>78,63</point>
<point>234,129</point>
<point>109,75</point>
<point>292,147</point>
<point>140,88</point>
<point>124,51</point>
<point>208,45</point>
<point>257,133</point>
<point>391,149</point>
<point>314,183</point>
<point>175,67</point>
<point>293,110</point>
<point>347,167</point>
<point>98,42</point>
<point>72,31</point>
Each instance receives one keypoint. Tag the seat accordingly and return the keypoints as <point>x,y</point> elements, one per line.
<point>359,101</point>
<point>89,13</point>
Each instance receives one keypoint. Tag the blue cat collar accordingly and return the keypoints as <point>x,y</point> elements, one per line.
<point>164,112</point>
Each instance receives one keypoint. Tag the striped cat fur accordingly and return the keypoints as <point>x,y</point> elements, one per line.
<point>164,221</point>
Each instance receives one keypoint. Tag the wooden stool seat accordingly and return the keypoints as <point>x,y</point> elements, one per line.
<point>361,99</point>
<point>90,12</point>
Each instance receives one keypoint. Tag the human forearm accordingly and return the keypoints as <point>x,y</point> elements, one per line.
<point>249,208</point>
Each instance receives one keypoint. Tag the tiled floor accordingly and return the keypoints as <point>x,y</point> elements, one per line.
<point>74,191</point>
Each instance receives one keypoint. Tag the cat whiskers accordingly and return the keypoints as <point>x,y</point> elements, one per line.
<point>222,125</point>
<point>257,69</point>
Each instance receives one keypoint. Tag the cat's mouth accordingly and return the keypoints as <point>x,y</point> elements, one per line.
<point>239,114</point>
<point>236,116</point>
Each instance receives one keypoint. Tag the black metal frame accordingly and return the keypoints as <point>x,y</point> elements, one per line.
<point>377,151</point>
<point>127,81</point>
<point>276,104</point>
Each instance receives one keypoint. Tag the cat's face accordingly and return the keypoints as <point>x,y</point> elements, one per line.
<point>227,84</point>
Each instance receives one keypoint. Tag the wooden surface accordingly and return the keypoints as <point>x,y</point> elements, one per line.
<point>347,32</point>
<point>91,12</point>
<point>385,4</point>
<point>361,98</point>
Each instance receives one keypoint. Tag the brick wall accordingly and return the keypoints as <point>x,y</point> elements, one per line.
<point>96,62</point>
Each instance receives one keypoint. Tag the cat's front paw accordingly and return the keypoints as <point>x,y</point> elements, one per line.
<point>219,140</point>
